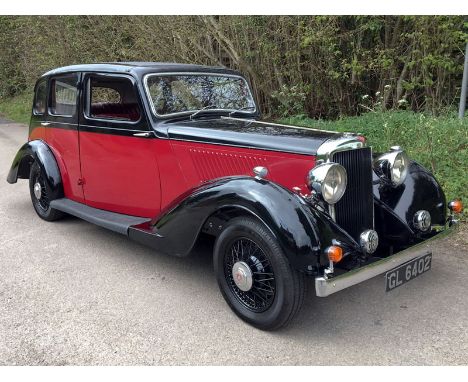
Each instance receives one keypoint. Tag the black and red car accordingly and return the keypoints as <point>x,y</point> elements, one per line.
<point>165,152</point>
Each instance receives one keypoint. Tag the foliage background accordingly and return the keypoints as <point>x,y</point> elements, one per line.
<point>320,66</point>
<point>394,78</point>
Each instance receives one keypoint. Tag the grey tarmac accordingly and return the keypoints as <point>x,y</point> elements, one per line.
<point>72,293</point>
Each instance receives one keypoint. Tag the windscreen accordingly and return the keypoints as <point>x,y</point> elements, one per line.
<point>173,94</point>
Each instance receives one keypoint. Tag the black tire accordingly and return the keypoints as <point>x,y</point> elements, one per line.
<point>282,297</point>
<point>42,205</point>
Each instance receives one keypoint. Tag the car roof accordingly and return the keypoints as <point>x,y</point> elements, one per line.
<point>140,68</point>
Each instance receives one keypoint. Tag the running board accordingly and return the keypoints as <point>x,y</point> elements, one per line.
<point>111,220</point>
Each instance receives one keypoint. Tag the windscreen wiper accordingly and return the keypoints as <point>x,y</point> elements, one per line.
<point>204,108</point>
<point>242,108</point>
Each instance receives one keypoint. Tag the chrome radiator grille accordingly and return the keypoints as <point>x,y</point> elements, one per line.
<point>355,210</point>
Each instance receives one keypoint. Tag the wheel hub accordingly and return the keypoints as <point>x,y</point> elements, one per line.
<point>37,190</point>
<point>242,275</point>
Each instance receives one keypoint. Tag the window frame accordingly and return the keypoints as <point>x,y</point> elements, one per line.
<point>40,82</point>
<point>87,98</point>
<point>52,88</point>
<point>188,112</point>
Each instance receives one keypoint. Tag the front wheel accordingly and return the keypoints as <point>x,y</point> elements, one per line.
<point>42,195</point>
<point>255,277</point>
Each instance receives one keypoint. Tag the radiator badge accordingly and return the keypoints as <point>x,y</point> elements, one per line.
<point>369,240</point>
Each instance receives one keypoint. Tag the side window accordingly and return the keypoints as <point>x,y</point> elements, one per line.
<point>112,98</point>
<point>63,95</point>
<point>40,97</point>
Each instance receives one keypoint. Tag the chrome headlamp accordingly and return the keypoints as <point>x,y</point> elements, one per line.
<point>392,167</point>
<point>328,180</point>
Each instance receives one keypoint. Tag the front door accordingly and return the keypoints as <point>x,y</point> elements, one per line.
<point>119,166</point>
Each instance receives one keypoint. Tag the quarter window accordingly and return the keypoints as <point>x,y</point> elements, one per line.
<point>112,98</point>
<point>63,96</point>
<point>40,97</point>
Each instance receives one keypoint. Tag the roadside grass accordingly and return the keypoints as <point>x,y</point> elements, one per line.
<point>439,143</point>
<point>17,108</point>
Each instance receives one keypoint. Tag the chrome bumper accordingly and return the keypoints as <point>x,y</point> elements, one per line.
<point>327,286</point>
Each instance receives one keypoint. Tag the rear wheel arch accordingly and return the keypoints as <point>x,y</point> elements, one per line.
<point>39,152</point>
<point>24,167</point>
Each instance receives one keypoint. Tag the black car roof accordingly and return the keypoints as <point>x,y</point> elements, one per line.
<point>140,68</point>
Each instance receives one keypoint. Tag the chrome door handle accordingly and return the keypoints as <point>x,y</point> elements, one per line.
<point>45,123</point>
<point>143,135</point>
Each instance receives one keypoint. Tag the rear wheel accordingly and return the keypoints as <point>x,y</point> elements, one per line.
<point>42,195</point>
<point>255,277</point>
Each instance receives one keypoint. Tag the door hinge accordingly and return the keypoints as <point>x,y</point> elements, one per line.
<point>81,181</point>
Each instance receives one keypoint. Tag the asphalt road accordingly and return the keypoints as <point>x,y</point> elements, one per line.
<point>74,293</point>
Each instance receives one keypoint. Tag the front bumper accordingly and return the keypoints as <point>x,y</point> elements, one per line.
<point>327,286</point>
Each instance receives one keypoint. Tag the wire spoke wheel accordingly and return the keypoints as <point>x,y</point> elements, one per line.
<point>250,275</point>
<point>254,275</point>
<point>40,191</point>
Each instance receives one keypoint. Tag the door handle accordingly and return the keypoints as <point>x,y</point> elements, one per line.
<point>45,123</point>
<point>143,135</point>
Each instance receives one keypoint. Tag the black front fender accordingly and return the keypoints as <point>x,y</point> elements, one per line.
<point>395,207</point>
<point>300,230</point>
<point>36,151</point>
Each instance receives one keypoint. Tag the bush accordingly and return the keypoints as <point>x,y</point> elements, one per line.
<point>318,65</point>
<point>439,143</point>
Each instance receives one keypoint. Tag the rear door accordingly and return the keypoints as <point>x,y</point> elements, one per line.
<point>61,130</point>
<point>118,163</point>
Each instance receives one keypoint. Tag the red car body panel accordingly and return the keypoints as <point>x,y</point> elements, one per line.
<point>202,162</point>
<point>65,146</point>
<point>120,173</point>
<point>146,179</point>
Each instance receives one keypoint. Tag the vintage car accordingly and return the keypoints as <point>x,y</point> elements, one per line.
<point>168,153</point>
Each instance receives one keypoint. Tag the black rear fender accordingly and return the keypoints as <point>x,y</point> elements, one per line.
<point>37,151</point>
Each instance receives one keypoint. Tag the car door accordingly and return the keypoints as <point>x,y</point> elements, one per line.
<point>118,162</point>
<point>61,130</point>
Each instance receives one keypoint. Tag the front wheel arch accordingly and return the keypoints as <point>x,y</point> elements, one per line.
<point>216,222</point>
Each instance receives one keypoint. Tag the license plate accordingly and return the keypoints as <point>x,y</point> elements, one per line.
<point>408,271</point>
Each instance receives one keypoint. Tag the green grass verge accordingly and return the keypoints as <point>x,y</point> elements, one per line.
<point>17,108</point>
<point>438,143</point>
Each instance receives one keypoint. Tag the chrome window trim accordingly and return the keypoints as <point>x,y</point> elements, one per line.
<point>49,93</point>
<point>115,128</point>
<point>188,112</point>
<point>59,123</point>
<point>39,82</point>
<point>87,98</point>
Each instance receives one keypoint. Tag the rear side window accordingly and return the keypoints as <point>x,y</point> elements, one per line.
<point>40,97</point>
<point>63,95</point>
<point>112,98</point>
